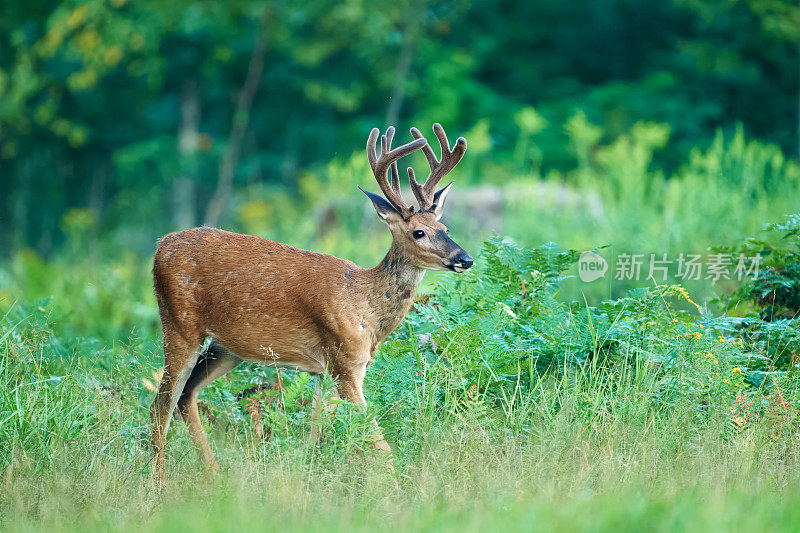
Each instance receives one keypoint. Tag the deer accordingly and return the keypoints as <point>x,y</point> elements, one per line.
<point>264,301</point>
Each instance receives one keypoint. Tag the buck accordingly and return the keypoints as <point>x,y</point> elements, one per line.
<point>263,301</point>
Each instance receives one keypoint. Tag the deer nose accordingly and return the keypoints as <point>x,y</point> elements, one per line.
<point>464,260</point>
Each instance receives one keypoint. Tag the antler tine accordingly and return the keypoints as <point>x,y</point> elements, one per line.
<point>439,168</point>
<point>395,181</point>
<point>388,160</point>
<point>450,158</point>
<point>427,150</point>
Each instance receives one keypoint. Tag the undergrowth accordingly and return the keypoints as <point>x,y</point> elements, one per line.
<point>503,405</point>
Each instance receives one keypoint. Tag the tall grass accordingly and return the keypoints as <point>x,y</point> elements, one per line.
<point>505,408</point>
<point>506,405</point>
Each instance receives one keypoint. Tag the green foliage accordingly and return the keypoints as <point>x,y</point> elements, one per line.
<point>621,200</point>
<point>606,93</point>
<point>112,300</point>
<point>500,327</point>
<point>769,298</point>
<point>774,286</point>
<point>42,406</point>
<point>494,384</point>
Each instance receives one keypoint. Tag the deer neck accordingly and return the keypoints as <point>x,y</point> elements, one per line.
<point>394,284</point>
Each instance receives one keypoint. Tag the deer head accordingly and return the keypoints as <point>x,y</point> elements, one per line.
<point>418,234</point>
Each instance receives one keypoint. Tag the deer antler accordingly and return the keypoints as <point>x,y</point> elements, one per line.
<point>388,159</point>
<point>439,169</point>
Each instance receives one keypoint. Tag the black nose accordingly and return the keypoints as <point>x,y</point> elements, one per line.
<point>464,260</point>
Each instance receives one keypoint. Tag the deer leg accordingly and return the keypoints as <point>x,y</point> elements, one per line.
<point>350,386</point>
<point>180,357</point>
<point>214,362</point>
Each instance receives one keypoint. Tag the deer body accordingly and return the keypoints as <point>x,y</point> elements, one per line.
<point>261,299</point>
<point>265,301</point>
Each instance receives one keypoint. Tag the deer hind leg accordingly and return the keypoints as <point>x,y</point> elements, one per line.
<point>180,357</point>
<point>214,362</point>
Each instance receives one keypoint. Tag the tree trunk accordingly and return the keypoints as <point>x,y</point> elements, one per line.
<point>101,170</point>
<point>97,189</point>
<point>184,195</point>
<point>20,203</point>
<point>401,75</point>
<point>230,160</point>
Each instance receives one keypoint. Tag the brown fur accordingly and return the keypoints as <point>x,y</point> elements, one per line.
<point>264,301</point>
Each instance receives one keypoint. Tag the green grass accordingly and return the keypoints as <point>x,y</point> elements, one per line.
<point>631,471</point>
<point>564,484</point>
<point>625,411</point>
<point>528,414</point>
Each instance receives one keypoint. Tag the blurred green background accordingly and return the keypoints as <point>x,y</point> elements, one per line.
<point>648,126</point>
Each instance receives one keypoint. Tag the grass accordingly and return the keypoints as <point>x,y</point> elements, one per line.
<point>486,434</point>
<point>506,406</point>
<point>655,472</point>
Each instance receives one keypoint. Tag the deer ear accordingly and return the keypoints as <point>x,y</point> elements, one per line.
<point>438,200</point>
<point>384,208</point>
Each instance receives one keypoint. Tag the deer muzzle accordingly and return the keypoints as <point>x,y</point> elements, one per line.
<point>460,262</point>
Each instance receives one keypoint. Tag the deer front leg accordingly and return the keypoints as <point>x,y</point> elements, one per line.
<point>350,381</point>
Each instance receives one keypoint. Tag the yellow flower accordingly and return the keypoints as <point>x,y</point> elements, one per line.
<point>711,357</point>
<point>737,370</point>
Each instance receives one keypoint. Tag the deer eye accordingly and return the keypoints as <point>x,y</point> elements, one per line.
<point>418,234</point>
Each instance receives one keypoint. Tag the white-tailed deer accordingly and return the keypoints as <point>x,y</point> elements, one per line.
<point>265,301</point>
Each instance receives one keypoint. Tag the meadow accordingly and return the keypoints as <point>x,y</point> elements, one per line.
<point>519,395</point>
<point>510,397</point>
